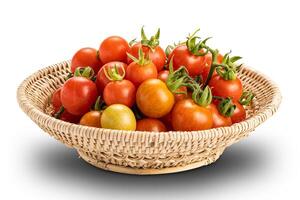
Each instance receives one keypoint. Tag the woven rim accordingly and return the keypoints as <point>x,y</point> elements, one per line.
<point>51,77</point>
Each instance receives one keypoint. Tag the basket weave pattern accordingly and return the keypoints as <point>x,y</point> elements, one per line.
<point>143,152</point>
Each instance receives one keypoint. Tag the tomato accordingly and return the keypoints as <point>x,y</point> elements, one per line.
<point>226,88</point>
<point>92,118</point>
<point>86,57</point>
<point>102,80</point>
<point>183,57</point>
<point>239,113</point>
<point>156,55</point>
<point>149,124</point>
<point>118,116</point>
<point>55,100</point>
<point>119,92</point>
<point>163,75</point>
<point>78,94</point>
<point>218,119</point>
<point>138,73</point>
<point>188,116</point>
<point>154,99</point>
<point>113,48</point>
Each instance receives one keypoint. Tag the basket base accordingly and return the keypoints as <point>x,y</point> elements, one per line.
<point>147,171</point>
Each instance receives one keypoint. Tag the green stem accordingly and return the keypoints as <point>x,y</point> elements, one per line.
<point>58,114</point>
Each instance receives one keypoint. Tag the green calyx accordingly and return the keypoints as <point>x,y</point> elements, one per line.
<point>112,73</point>
<point>197,46</point>
<point>226,107</point>
<point>99,104</point>
<point>86,72</point>
<point>153,41</point>
<point>228,68</point>
<point>142,59</point>
<point>58,114</point>
<point>202,97</point>
<point>246,98</point>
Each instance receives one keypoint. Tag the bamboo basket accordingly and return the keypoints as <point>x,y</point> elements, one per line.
<point>135,152</point>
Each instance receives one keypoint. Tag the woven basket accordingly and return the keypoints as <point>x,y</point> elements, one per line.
<point>136,152</point>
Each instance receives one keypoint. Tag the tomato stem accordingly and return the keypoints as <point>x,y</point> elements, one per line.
<point>86,72</point>
<point>113,74</point>
<point>58,114</point>
<point>246,98</point>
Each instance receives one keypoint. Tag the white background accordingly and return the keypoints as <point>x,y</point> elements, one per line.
<point>35,34</point>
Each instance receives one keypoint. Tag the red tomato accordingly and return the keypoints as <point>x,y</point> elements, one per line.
<point>119,92</point>
<point>157,55</point>
<point>78,94</point>
<point>226,88</point>
<point>86,57</point>
<point>218,119</point>
<point>68,117</point>
<point>92,118</point>
<point>102,80</point>
<point>239,113</point>
<point>137,73</point>
<point>188,116</point>
<point>113,48</point>
<point>183,57</point>
<point>55,100</point>
<point>150,124</point>
<point>163,75</point>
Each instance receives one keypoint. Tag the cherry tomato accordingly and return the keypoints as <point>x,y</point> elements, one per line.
<point>86,57</point>
<point>154,99</point>
<point>163,75</point>
<point>239,113</point>
<point>92,118</point>
<point>183,57</point>
<point>118,116</point>
<point>113,48</point>
<point>55,100</point>
<point>188,116</point>
<point>218,119</point>
<point>150,124</point>
<point>137,73</point>
<point>102,80</point>
<point>156,55</point>
<point>119,92</point>
<point>78,94</point>
<point>226,88</point>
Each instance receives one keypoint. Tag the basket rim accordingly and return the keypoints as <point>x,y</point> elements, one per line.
<point>248,125</point>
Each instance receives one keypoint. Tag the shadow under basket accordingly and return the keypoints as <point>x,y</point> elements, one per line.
<point>136,152</point>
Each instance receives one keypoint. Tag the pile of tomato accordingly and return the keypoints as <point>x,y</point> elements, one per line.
<point>139,86</point>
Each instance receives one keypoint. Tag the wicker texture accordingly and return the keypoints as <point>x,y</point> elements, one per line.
<point>144,152</point>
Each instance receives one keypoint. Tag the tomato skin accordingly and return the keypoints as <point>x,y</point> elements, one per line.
<point>78,94</point>
<point>138,73</point>
<point>149,124</point>
<point>154,99</point>
<point>92,118</point>
<point>55,100</point>
<point>183,57</point>
<point>218,119</point>
<point>167,120</point>
<point>226,88</point>
<point>102,80</point>
<point>119,92</point>
<point>118,116</point>
<point>163,75</point>
<point>188,116</point>
<point>113,48</point>
<point>86,57</point>
<point>239,113</point>
<point>157,55</point>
